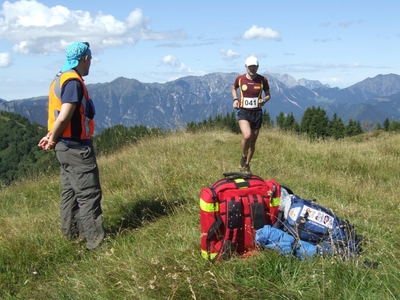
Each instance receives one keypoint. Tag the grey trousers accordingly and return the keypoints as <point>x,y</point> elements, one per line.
<point>80,207</point>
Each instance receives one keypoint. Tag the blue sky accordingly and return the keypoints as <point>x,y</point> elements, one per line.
<point>336,42</point>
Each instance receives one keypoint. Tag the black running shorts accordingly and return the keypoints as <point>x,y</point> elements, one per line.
<point>254,117</point>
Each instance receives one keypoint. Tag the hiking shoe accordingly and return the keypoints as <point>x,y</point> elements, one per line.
<point>97,244</point>
<point>80,238</point>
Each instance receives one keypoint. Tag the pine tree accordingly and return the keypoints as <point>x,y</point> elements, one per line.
<point>315,123</point>
<point>291,123</point>
<point>386,124</point>
<point>337,128</point>
<point>394,126</point>
<point>280,120</point>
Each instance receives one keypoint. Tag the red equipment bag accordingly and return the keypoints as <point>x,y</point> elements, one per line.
<point>231,211</point>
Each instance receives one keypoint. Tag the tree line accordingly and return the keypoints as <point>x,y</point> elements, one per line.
<point>315,124</point>
<point>21,157</point>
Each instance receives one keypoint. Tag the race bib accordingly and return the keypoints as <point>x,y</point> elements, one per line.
<point>250,102</point>
<point>317,216</point>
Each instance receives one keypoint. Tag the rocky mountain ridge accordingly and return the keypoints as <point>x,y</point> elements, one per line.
<point>173,104</point>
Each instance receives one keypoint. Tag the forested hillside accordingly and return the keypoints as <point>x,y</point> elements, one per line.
<point>19,154</point>
<point>21,157</point>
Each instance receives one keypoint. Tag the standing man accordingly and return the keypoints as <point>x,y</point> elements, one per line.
<point>248,105</point>
<point>71,126</point>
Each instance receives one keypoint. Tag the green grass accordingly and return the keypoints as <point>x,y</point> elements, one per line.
<point>151,214</point>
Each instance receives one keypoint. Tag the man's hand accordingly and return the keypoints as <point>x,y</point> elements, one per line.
<point>45,143</point>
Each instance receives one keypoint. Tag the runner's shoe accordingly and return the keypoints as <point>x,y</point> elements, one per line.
<point>246,169</point>
<point>242,165</point>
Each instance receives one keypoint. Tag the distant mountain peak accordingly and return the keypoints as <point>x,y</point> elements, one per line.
<point>290,81</point>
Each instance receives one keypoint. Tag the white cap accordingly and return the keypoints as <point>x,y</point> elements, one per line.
<point>251,61</point>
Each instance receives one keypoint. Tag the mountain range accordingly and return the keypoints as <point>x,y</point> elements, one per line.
<point>173,104</point>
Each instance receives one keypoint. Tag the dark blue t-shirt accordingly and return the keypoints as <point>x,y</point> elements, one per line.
<point>71,92</point>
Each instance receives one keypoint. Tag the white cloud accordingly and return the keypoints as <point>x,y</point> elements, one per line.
<point>5,59</point>
<point>38,29</point>
<point>229,54</point>
<point>184,68</point>
<point>173,61</point>
<point>261,33</point>
<point>136,19</point>
<point>23,14</point>
<point>170,60</point>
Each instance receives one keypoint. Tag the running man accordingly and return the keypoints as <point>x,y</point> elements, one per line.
<point>248,108</point>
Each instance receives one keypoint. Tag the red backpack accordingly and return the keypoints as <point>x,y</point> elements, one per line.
<point>231,211</point>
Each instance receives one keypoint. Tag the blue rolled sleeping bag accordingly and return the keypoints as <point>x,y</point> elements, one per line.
<point>278,240</point>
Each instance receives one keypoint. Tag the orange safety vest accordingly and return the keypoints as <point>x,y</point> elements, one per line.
<point>74,130</point>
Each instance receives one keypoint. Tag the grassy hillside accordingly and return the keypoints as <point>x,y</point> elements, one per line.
<point>151,213</point>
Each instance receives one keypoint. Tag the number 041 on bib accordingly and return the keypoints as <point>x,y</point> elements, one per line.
<point>250,102</point>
